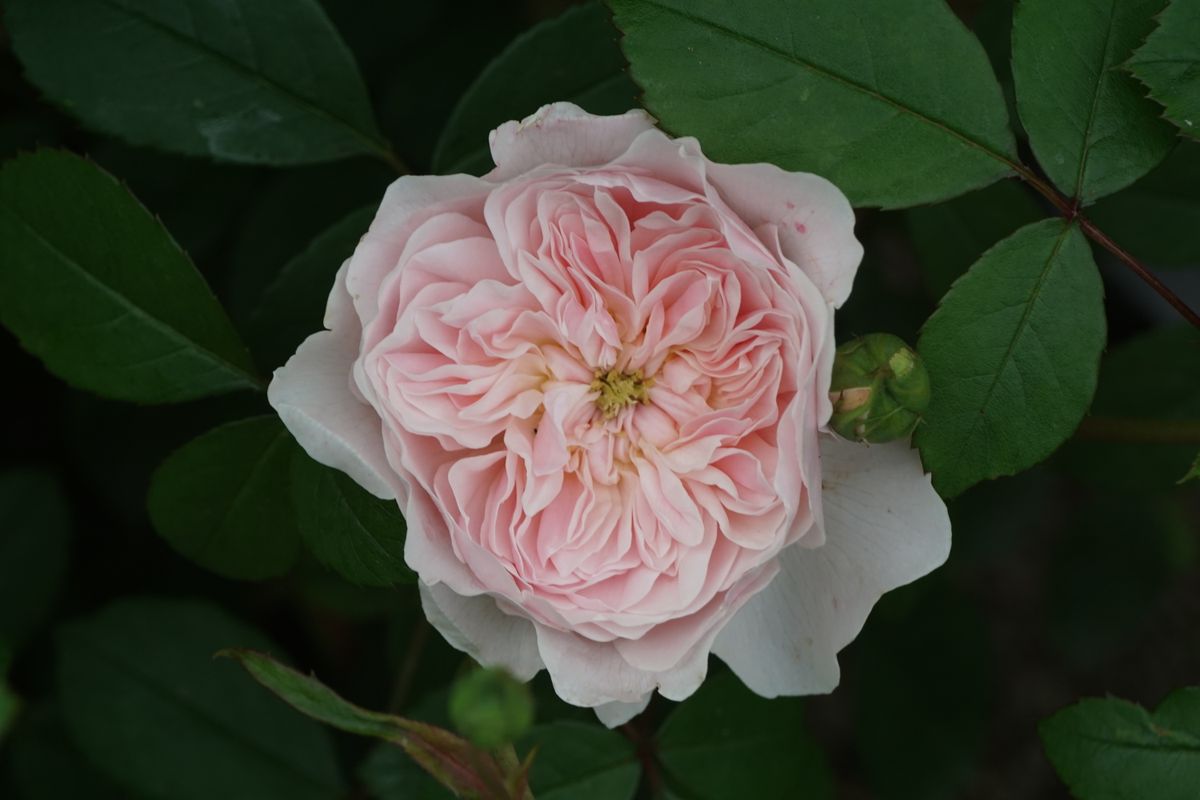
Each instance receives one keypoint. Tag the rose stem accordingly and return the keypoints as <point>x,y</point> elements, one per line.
<point>1071,210</point>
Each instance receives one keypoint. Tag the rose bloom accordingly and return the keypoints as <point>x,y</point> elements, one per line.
<point>596,382</point>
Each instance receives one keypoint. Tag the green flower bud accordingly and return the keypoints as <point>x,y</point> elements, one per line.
<point>879,389</point>
<point>490,707</point>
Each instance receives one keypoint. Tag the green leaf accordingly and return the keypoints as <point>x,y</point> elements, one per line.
<point>253,81</point>
<point>314,699</point>
<point>347,528</point>
<point>1112,749</point>
<point>1193,472</point>
<point>147,703</point>
<point>725,741</point>
<point>1157,216</point>
<point>1150,377</point>
<point>389,774</point>
<point>1169,63</point>
<point>281,220</point>
<point>1013,352</point>
<point>34,536</point>
<point>1089,123</point>
<point>580,761</point>
<point>460,766</point>
<point>294,304</point>
<point>223,500</point>
<point>949,237</point>
<point>94,286</point>
<point>858,92</point>
<point>573,57</point>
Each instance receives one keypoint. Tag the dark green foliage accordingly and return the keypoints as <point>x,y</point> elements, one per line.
<point>147,703</point>
<point>1112,749</point>
<point>224,499</point>
<point>1075,578</point>
<point>201,77</point>
<point>850,98</point>
<point>573,57</point>
<point>1012,352</point>
<point>94,286</point>
<point>347,528</point>
<point>1089,122</point>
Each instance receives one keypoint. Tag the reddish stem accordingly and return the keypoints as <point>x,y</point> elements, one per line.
<point>1071,211</point>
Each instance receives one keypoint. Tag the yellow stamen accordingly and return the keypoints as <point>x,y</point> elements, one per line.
<point>618,390</point>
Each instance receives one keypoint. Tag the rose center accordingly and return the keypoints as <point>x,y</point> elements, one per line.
<point>619,389</point>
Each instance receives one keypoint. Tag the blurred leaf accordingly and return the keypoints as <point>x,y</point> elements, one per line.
<point>314,699</point>
<point>571,58</point>
<point>1150,377</point>
<point>223,500</point>
<point>1090,124</point>
<point>925,692</point>
<point>1193,472</point>
<point>295,206</point>
<point>1100,590</point>
<point>10,703</point>
<point>22,129</point>
<point>389,774</point>
<point>95,287</point>
<point>262,81</point>
<point>840,89</point>
<point>45,765</point>
<point>1156,218</point>
<point>147,703</point>
<point>951,236</point>
<point>725,742</point>
<point>459,765</point>
<point>293,306</point>
<point>581,761</point>
<point>448,55</point>
<point>200,203</point>
<point>1169,63</point>
<point>1112,749</point>
<point>1013,352</point>
<point>348,529</point>
<point>34,538</point>
<point>113,447</point>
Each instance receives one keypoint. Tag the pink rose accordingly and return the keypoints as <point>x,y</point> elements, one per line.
<point>596,382</point>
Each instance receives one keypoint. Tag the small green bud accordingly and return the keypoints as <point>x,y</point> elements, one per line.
<point>490,707</point>
<point>879,389</point>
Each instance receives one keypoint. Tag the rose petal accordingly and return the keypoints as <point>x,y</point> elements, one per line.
<point>884,527</point>
<point>590,674</point>
<point>613,714</point>
<point>814,220</point>
<point>477,627</point>
<point>564,134</point>
<point>408,202</point>
<point>312,395</point>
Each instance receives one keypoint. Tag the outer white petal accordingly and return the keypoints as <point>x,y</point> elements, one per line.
<point>814,219</point>
<point>613,714</point>
<point>477,627</point>
<point>312,394</point>
<point>565,134</point>
<point>885,527</point>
